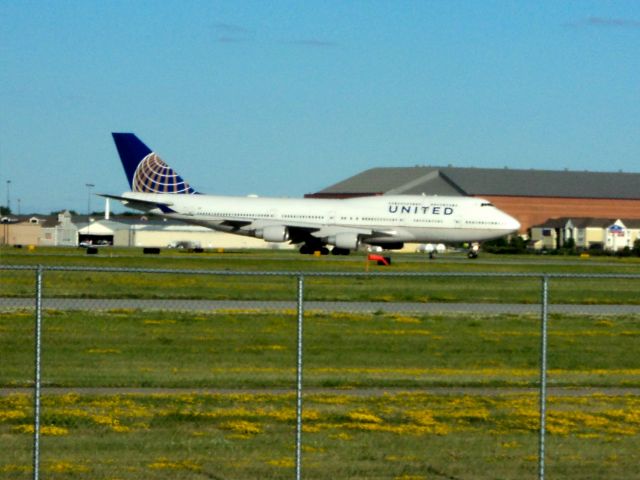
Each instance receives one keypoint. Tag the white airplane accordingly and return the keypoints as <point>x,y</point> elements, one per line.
<point>387,221</point>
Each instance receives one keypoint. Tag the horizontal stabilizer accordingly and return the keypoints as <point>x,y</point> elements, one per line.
<point>139,204</point>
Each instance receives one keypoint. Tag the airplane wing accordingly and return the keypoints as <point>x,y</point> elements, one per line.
<point>236,224</point>
<point>384,233</point>
<point>302,232</point>
<point>299,232</point>
<point>364,232</point>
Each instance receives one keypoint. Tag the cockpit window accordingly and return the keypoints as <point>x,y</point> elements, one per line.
<point>486,204</point>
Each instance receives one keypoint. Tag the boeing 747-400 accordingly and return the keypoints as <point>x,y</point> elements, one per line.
<point>387,221</point>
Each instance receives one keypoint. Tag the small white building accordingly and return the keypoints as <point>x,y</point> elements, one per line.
<point>586,233</point>
<point>64,233</point>
<point>621,234</point>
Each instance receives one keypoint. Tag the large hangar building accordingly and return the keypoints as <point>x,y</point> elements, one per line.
<point>531,196</point>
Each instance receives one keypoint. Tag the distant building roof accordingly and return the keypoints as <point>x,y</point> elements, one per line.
<point>587,222</point>
<point>593,222</point>
<point>553,223</point>
<point>631,222</point>
<point>35,219</point>
<point>488,181</point>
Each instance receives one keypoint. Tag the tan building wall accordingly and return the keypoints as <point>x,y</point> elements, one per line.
<point>533,211</point>
<point>541,241</point>
<point>208,239</point>
<point>585,237</point>
<point>23,233</point>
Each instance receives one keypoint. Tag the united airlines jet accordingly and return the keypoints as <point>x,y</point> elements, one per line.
<point>387,221</point>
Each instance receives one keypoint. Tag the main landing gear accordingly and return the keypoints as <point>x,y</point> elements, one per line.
<point>307,249</point>
<point>311,249</point>
<point>473,250</point>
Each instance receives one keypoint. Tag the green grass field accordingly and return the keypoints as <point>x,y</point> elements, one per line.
<point>393,396</point>
<point>404,289</point>
<point>262,260</point>
<point>395,436</point>
<point>129,348</point>
<point>369,412</point>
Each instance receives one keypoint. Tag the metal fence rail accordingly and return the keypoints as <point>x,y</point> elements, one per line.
<point>304,293</point>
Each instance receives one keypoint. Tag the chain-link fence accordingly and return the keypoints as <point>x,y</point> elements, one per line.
<point>130,373</point>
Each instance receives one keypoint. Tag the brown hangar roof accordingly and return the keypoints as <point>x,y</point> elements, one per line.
<point>488,181</point>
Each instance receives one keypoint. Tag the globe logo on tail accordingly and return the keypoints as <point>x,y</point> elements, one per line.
<point>155,176</point>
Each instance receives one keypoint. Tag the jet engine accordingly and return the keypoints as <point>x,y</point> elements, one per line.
<point>430,248</point>
<point>273,233</point>
<point>349,241</point>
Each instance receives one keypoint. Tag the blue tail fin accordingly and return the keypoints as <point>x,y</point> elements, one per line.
<point>145,171</point>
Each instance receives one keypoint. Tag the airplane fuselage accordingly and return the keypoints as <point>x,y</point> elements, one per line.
<point>375,220</point>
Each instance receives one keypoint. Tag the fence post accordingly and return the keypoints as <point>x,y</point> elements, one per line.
<point>543,373</point>
<point>299,379</point>
<point>36,383</point>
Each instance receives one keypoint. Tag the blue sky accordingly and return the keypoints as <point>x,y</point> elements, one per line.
<point>284,98</point>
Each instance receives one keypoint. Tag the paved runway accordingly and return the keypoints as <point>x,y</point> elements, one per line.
<point>363,307</point>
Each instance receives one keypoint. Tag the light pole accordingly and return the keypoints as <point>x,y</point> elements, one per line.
<point>89,187</point>
<point>8,196</point>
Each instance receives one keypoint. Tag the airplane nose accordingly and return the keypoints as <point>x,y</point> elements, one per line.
<point>513,223</point>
